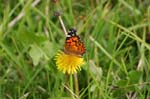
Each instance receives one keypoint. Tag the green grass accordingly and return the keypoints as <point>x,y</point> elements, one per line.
<point>116,34</point>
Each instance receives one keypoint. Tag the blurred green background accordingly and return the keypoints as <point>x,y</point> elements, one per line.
<point>116,34</point>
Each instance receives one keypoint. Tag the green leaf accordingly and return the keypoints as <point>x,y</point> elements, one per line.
<point>37,54</point>
<point>95,70</point>
<point>50,48</point>
<point>134,76</point>
<point>28,38</point>
<point>122,83</point>
<point>93,87</point>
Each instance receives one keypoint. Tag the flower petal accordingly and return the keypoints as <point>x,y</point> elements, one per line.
<point>68,63</point>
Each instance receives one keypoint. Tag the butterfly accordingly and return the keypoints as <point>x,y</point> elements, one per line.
<point>73,44</point>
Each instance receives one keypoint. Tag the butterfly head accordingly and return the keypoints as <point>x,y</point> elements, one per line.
<point>72,32</point>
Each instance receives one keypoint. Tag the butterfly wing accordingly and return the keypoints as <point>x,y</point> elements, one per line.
<point>73,45</point>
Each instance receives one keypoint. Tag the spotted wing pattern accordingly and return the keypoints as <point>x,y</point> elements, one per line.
<point>73,44</point>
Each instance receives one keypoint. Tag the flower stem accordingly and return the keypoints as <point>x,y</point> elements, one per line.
<point>76,84</point>
<point>58,14</point>
<point>71,86</point>
<point>62,24</point>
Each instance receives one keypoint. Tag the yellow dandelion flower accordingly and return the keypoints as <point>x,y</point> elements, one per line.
<point>68,63</point>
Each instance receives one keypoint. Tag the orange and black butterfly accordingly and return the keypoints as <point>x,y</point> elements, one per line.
<point>73,44</point>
